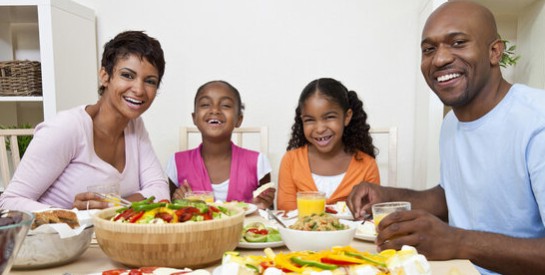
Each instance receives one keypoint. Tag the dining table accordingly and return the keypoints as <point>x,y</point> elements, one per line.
<point>95,261</point>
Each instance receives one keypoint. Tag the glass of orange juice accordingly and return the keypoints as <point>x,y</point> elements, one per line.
<point>206,196</point>
<point>381,210</point>
<point>310,202</point>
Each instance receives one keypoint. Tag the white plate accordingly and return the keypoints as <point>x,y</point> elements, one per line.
<point>251,209</point>
<point>365,231</point>
<point>365,237</point>
<point>249,245</point>
<point>343,212</point>
<point>217,271</point>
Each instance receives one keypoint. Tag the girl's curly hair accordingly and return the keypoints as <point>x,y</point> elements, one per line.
<point>356,134</point>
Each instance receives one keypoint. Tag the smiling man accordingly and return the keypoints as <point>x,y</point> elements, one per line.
<point>489,204</point>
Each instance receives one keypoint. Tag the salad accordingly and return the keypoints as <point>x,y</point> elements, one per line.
<point>257,232</point>
<point>178,211</point>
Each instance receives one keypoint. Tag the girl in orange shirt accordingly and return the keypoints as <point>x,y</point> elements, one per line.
<point>330,148</point>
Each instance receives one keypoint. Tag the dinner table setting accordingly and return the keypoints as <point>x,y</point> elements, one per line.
<point>202,245</point>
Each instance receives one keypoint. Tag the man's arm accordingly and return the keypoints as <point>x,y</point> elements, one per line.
<point>503,254</point>
<point>364,195</point>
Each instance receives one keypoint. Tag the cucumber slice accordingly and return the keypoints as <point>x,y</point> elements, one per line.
<point>255,238</point>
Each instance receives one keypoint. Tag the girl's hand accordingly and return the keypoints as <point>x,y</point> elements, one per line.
<point>180,191</point>
<point>88,200</point>
<point>265,199</point>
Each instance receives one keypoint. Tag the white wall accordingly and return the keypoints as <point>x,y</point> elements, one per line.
<point>531,45</point>
<point>270,50</point>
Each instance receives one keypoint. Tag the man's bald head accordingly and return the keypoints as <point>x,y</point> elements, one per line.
<point>479,16</point>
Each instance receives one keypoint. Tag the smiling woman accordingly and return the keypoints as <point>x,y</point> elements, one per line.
<point>105,142</point>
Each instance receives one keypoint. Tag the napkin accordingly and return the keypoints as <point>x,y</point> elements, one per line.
<point>65,231</point>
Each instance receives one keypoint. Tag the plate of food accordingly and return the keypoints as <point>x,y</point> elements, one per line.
<point>339,210</point>
<point>366,231</point>
<point>257,235</point>
<point>249,208</point>
<point>334,260</point>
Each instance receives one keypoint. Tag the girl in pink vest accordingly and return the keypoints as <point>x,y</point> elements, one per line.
<point>217,164</point>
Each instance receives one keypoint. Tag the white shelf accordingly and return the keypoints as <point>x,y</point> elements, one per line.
<point>21,98</point>
<point>61,35</point>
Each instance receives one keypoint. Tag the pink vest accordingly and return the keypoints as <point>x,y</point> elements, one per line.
<point>242,176</point>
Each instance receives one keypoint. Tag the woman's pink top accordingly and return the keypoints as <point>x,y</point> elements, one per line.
<point>61,162</point>
<point>243,179</point>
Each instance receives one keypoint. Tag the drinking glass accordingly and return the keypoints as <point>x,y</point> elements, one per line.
<point>206,196</point>
<point>310,202</point>
<point>381,210</point>
<point>109,192</point>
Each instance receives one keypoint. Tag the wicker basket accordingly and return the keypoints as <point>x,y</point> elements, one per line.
<point>20,78</point>
<point>189,244</point>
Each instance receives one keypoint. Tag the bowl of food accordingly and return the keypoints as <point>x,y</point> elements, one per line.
<point>317,232</point>
<point>13,228</point>
<point>59,242</point>
<point>181,234</point>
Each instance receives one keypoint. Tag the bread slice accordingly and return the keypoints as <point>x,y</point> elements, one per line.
<point>56,216</point>
<point>262,188</point>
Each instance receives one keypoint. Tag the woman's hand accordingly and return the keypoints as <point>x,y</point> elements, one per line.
<point>88,200</point>
<point>180,191</point>
<point>265,199</point>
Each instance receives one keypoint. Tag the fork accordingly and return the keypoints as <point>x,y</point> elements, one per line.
<point>271,215</point>
<point>367,217</point>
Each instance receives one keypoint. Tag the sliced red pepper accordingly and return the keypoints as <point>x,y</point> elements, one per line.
<point>125,214</point>
<point>263,232</point>
<point>214,209</point>
<point>114,271</point>
<point>330,210</point>
<point>164,216</point>
<point>185,217</point>
<point>134,218</point>
<point>135,272</point>
<point>335,262</point>
<point>207,216</point>
<point>148,269</point>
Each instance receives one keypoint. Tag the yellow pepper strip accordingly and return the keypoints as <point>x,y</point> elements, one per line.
<point>153,212</point>
<point>367,258</point>
<point>283,261</point>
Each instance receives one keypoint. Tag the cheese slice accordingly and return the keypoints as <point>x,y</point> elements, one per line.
<point>263,188</point>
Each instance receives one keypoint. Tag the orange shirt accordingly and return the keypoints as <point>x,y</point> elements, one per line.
<point>295,175</point>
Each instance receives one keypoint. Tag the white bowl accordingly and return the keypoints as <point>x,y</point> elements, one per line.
<point>40,250</point>
<point>297,240</point>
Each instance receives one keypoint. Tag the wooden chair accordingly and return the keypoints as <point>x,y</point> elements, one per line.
<point>261,133</point>
<point>391,134</point>
<point>11,135</point>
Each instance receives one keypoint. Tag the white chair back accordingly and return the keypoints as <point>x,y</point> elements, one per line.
<point>9,164</point>
<point>386,138</point>
<point>255,138</point>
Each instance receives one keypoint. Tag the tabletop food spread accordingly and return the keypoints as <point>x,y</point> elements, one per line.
<point>254,252</point>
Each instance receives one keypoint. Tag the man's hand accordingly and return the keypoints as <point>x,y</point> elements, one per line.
<point>362,197</point>
<point>428,234</point>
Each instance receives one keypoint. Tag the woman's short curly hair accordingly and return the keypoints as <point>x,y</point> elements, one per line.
<point>132,43</point>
